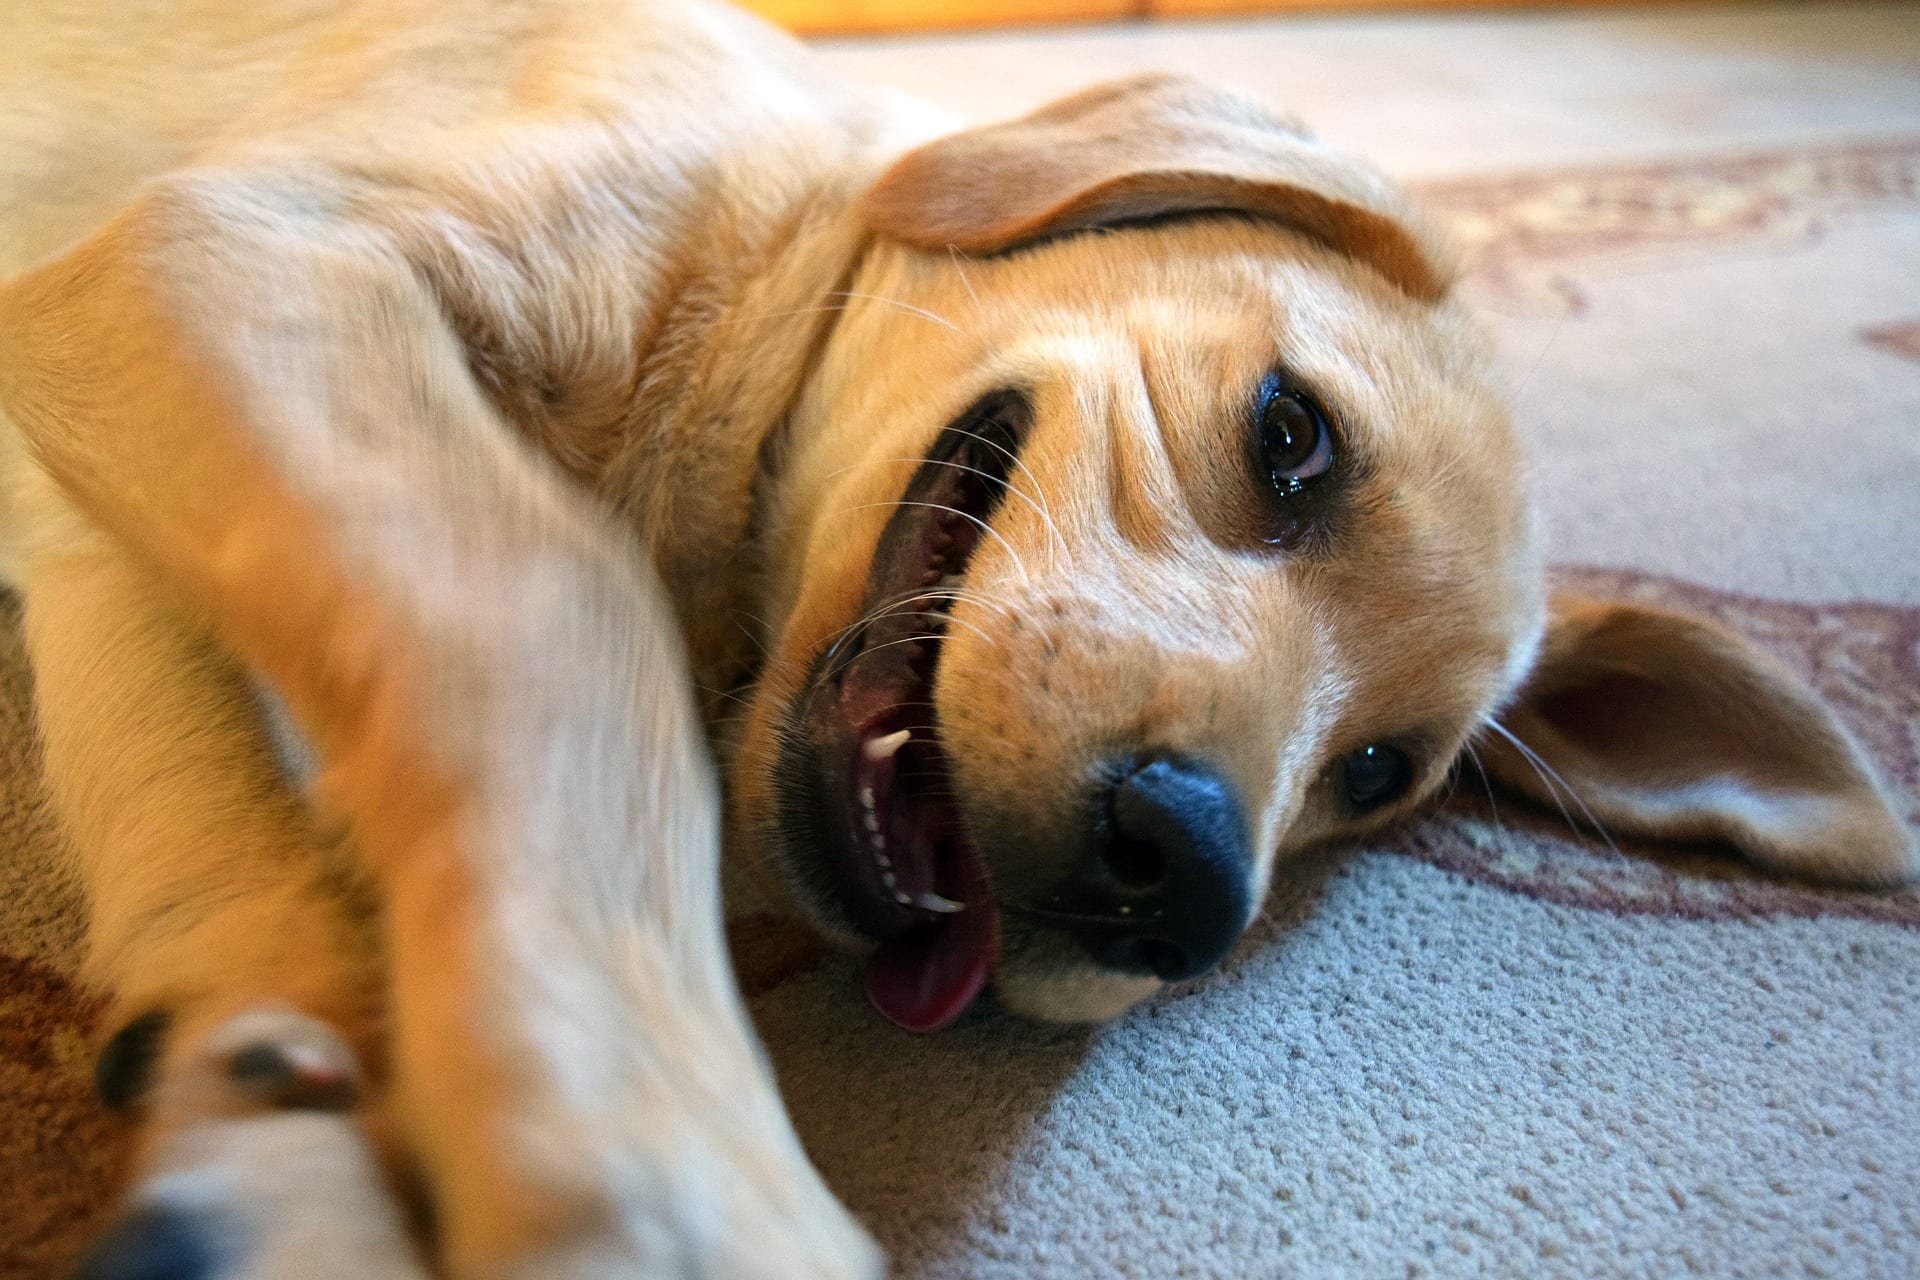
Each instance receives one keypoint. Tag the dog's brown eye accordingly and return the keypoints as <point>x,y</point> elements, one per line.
<point>1376,774</point>
<point>1296,444</point>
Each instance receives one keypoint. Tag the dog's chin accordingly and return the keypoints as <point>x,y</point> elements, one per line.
<point>1050,979</point>
<point>874,837</point>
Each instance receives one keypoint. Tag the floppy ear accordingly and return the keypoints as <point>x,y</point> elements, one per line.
<point>1145,148</point>
<point>1668,727</point>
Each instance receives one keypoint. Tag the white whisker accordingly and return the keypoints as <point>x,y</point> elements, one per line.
<point>832,672</point>
<point>1486,780</point>
<point>1550,776</point>
<point>1018,564</point>
<point>872,616</point>
<point>953,252</point>
<point>914,596</point>
<point>780,315</point>
<point>908,307</point>
<point>1046,517</point>
<point>960,594</point>
<point>1039,499</point>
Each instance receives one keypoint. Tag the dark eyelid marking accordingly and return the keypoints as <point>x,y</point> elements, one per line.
<point>1306,522</point>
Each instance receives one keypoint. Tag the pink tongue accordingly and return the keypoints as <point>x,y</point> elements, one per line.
<point>926,977</point>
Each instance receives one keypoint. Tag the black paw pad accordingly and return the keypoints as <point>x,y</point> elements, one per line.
<point>154,1244</point>
<point>124,1070</point>
<point>292,1076</point>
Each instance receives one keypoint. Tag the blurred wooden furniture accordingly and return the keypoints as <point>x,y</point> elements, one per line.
<point>889,15</point>
<point>847,16</point>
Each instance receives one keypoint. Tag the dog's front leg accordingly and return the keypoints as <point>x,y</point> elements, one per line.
<point>258,1168</point>
<point>212,899</point>
<point>265,400</point>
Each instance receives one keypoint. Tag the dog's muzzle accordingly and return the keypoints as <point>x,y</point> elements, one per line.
<point>1157,873</point>
<point>1165,884</point>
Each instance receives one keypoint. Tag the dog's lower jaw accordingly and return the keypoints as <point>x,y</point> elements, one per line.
<point>1073,992</point>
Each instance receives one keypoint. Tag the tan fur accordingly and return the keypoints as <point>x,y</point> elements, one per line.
<point>496,381</point>
<point>1142,148</point>
<point>1666,726</point>
<point>1129,602</point>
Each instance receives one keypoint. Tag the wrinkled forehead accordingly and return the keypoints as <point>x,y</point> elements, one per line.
<point>1203,305</point>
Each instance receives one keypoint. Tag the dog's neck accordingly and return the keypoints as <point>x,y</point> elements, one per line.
<point>685,432</point>
<point>740,348</point>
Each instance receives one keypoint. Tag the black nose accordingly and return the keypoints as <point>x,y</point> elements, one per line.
<point>1167,885</point>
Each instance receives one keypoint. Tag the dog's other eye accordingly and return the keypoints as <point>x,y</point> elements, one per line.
<point>1296,444</point>
<point>1376,774</point>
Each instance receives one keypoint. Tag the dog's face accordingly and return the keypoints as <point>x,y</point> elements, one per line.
<point>1118,569</point>
<point>1171,551</point>
<point>1170,531</point>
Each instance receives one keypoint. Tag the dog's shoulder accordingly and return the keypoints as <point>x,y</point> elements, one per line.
<point>501,115</point>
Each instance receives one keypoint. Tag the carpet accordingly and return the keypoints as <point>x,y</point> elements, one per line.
<point>1486,1045</point>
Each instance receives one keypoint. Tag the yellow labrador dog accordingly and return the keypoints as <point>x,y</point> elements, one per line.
<point>438,431</point>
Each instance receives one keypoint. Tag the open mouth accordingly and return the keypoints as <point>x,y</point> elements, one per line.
<point>864,777</point>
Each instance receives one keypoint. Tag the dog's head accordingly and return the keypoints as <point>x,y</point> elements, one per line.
<point>1149,519</point>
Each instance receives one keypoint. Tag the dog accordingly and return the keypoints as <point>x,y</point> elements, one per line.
<point>449,446</point>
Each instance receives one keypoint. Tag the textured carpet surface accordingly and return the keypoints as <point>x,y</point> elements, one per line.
<point>1486,1046</point>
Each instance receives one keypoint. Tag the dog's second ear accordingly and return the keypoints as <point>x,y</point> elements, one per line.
<point>1145,148</point>
<point>1663,726</point>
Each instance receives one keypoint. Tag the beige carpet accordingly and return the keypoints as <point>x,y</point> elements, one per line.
<point>1484,1048</point>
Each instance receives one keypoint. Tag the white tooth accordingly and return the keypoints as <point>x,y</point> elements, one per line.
<point>886,863</point>
<point>872,821</point>
<point>902,898</point>
<point>866,798</point>
<point>934,902</point>
<point>882,749</point>
<point>891,883</point>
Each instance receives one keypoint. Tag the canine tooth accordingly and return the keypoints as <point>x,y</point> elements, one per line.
<point>934,902</point>
<point>882,749</point>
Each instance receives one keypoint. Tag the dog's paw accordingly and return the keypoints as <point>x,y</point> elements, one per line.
<point>266,1058</point>
<point>258,1167</point>
<point>156,1243</point>
<point>124,1071</point>
<point>749,1210</point>
<point>273,1059</point>
<point>755,1252</point>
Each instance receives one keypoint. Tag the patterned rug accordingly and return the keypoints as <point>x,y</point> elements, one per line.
<point>1489,1046</point>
